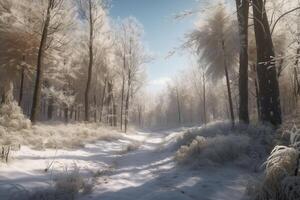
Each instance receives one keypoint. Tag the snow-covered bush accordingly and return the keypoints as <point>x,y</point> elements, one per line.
<point>12,118</point>
<point>12,121</point>
<point>130,147</point>
<point>263,133</point>
<point>216,150</point>
<point>281,180</point>
<point>281,163</point>
<point>218,143</point>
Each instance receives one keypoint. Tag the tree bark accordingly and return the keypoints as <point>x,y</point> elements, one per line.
<point>296,67</point>
<point>50,108</point>
<point>114,111</point>
<point>109,103</point>
<point>140,115</point>
<point>21,86</point>
<point>178,107</point>
<point>266,69</point>
<point>257,99</point>
<point>95,105</point>
<point>39,72</point>
<point>90,69</point>
<point>242,15</point>
<point>66,114</point>
<point>127,101</point>
<point>123,90</point>
<point>228,87</point>
<point>102,99</point>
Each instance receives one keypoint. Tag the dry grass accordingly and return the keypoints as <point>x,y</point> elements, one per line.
<point>16,130</point>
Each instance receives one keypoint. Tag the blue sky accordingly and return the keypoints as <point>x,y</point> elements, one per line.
<point>162,33</point>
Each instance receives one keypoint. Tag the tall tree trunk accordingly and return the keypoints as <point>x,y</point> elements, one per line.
<point>109,103</point>
<point>128,86</point>
<point>266,69</point>
<point>90,69</point>
<point>228,86</point>
<point>178,107</point>
<point>127,102</point>
<point>123,91</point>
<point>296,73</point>
<point>39,71</point>
<point>72,113</point>
<point>66,114</point>
<point>254,70</point>
<point>102,99</point>
<point>95,105</point>
<point>50,108</point>
<point>114,112</point>
<point>75,113</point>
<point>257,99</point>
<point>22,83</point>
<point>242,15</point>
<point>204,98</point>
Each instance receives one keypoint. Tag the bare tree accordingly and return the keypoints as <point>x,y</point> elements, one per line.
<point>39,72</point>
<point>93,12</point>
<point>57,19</point>
<point>132,57</point>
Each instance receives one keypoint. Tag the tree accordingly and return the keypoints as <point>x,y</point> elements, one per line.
<point>18,42</point>
<point>266,70</point>
<point>242,15</point>
<point>57,18</point>
<point>214,41</point>
<point>94,14</point>
<point>132,57</point>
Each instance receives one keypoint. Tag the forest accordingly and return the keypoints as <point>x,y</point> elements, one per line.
<point>94,102</point>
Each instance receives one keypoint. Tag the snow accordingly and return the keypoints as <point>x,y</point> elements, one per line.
<point>145,172</point>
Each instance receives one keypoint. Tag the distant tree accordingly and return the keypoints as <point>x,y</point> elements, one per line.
<point>133,56</point>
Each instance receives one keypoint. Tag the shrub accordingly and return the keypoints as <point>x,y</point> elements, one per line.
<point>218,143</point>
<point>216,150</point>
<point>281,180</point>
<point>71,183</point>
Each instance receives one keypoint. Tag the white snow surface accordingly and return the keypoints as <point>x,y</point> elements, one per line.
<point>147,172</point>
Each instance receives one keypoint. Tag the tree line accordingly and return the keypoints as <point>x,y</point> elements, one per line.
<point>70,61</point>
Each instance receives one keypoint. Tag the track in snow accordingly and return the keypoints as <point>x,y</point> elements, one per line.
<point>146,173</point>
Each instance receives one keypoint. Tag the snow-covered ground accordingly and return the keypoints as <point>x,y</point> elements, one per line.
<point>139,166</point>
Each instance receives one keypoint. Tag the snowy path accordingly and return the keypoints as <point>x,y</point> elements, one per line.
<point>150,173</point>
<point>146,173</point>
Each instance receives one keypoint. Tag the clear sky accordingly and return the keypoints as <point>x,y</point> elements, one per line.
<point>162,33</point>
